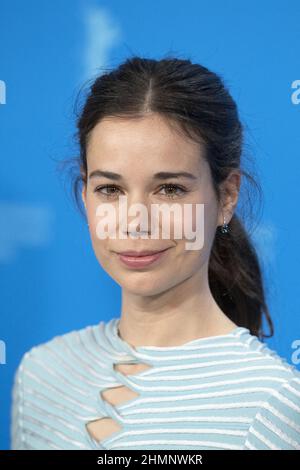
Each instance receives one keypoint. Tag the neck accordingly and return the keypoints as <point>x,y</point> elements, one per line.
<point>183,313</point>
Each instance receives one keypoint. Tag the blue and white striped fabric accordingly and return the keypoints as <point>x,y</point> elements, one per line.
<point>220,392</point>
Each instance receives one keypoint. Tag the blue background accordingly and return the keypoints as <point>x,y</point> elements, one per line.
<point>50,280</point>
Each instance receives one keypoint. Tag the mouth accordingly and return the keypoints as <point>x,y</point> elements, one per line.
<point>140,259</point>
<point>140,253</point>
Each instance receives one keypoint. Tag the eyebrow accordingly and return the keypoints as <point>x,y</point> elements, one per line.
<point>159,176</point>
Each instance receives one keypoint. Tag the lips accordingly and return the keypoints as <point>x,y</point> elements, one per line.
<point>141,260</point>
<point>137,254</point>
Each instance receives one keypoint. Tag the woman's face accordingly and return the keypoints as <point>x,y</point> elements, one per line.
<point>137,150</point>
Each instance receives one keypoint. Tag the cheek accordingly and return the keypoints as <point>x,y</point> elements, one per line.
<point>100,246</point>
<point>210,222</point>
<point>190,260</point>
<point>182,223</point>
<point>198,224</point>
<point>100,219</point>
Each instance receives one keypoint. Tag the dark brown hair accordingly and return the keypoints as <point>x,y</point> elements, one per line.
<point>197,101</point>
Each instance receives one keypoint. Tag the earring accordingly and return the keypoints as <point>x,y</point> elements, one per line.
<point>224,227</point>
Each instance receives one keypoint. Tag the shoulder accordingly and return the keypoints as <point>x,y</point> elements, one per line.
<point>52,379</point>
<point>276,423</point>
<point>70,353</point>
<point>264,358</point>
<point>65,344</point>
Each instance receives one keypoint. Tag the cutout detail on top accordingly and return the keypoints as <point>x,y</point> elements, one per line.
<point>102,428</point>
<point>105,427</point>
<point>118,395</point>
<point>131,369</point>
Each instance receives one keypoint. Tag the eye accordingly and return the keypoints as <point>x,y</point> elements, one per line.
<point>107,187</point>
<point>173,188</point>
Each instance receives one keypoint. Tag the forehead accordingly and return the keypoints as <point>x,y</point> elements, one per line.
<point>146,143</point>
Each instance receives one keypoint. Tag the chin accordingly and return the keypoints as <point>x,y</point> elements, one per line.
<point>141,285</point>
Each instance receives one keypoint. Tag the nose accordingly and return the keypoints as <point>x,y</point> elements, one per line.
<point>135,214</point>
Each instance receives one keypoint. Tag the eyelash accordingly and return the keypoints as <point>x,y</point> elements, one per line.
<point>109,186</point>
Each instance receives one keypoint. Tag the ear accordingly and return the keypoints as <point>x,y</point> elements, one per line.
<point>230,189</point>
<point>83,175</point>
<point>83,195</point>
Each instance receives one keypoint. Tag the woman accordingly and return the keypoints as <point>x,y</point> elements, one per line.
<point>184,366</point>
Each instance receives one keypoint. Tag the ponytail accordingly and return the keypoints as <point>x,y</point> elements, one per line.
<point>235,279</point>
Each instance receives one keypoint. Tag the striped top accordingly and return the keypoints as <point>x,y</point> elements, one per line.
<point>220,392</point>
